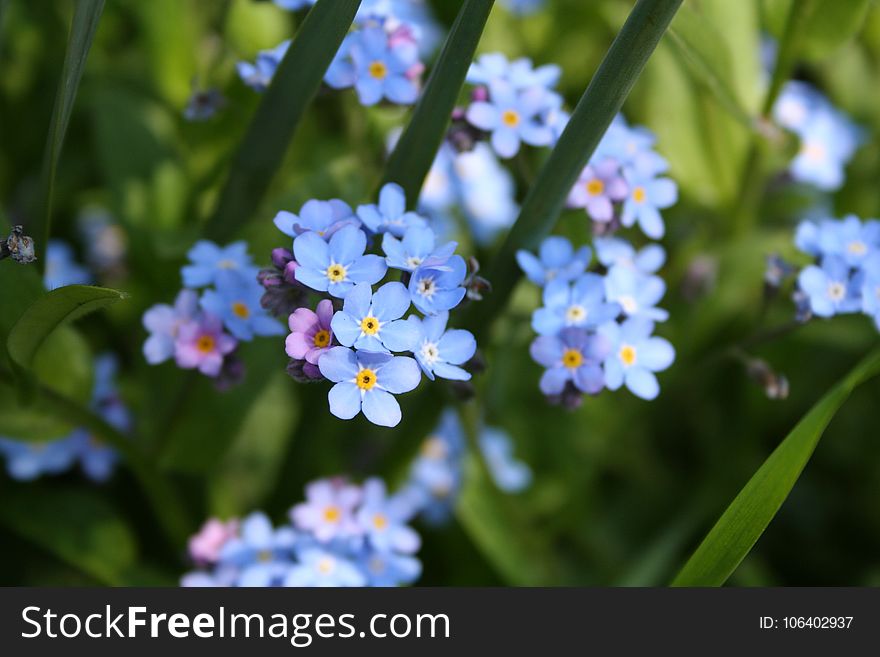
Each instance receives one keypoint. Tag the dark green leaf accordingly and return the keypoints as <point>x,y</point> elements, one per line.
<point>295,83</point>
<point>826,27</point>
<point>742,524</point>
<point>417,148</point>
<point>597,108</point>
<point>50,311</point>
<point>86,15</point>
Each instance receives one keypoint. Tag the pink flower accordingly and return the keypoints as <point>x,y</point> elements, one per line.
<point>204,547</point>
<point>202,344</point>
<point>310,332</point>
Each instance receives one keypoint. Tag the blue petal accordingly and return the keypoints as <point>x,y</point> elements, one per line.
<point>339,364</point>
<point>368,269</point>
<point>400,335</point>
<point>451,372</point>
<point>311,251</point>
<point>546,322</point>
<point>346,245</point>
<point>357,301</point>
<point>284,221</point>
<point>345,399</point>
<point>392,200</point>
<point>553,380</point>
<point>390,301</point>
<point>317,280</point>
<point>400,374</point>
<point>642,383</point>
<point>556,252</point>
<point>381,408</point>
<point>433,326</point>
<point>457,346</point>
<point>346,329</point>
<point>546,350</point>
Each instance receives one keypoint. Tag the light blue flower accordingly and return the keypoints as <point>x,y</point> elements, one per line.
<point>26,461</point>
<point>328,512</point>
<point>367,381</point>
<point>617,252</point>
<point>646,196</point>
<point>62,268</point>
<point>523,7</point>
<point>258,76</point>
<point>598,188</point>
<point>871,289</point>
<point>210,260</point>
<point>390,215</point>
<point>797,102</point>
<point>388,569</point>
<point>384,520</point>
<point>581,304</point>
<point>512,117</point>
<point>436,475</point>
<point>831,288</point>
<point>575,356</point>
<point>495,67</point>
<point>439,352</point>
<point>637,294</point>
<point>262,554</point>
<point>850,239</point>
<point>372,321</point>
<point>321,217</point>
<point>417,247</point>
<point>635,355</point>
<point>508,473</point>
<point>383,68</point>
<point>323,568</point>
<point>435,288</point>
<point>557,261</point>
<point>828,142</point>
<point>294,5</point>
<point>631,147</point>
<point>236,301</point>
<point>336,266</point>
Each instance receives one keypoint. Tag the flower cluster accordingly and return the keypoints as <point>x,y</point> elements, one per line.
<point>218,307</point>
<point>354,331</point>
<point>595,327</point>
<point>523,7</point>
<point>342,535</point>
<point>26,461</point>
<point>828,138</point>
<point>846,276</point>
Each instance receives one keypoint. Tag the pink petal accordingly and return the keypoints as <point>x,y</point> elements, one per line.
<point>302,320</point>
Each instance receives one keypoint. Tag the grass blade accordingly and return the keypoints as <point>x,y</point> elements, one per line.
<point>86,15</point>
<point>295,83</point>
<point>600,103</point>
<point>417,148</point>
<point>742,524</point>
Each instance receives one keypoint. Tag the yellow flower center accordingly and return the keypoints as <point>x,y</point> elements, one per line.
<point>572,359</point>
<point>264,556</point>
<point>240,310</point>
<point>336,273</point>
<point>836,291</point>
<point>366,379</point>
<point>332,514</point>
<point>813,151</point>
<point>857,247</point>
<point>434,448</point>
<point>639,194</point>
<point>205,344</point>
<point>628,355</point>
<point>227,264</point>
<point>380,522</point>
<point>628,304</point>
<point>325,566</point>
<point>595,187</point>
<point>370,325</point>
<point>322,338</point>
<point>378,70</point>
<point>510,118</point>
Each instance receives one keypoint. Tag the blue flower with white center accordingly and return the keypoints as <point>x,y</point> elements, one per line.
<point>262,554</point>
<point>645,198</point>
<point>367,381</point>
<point>258,76</point>
<point>634,356</point>
<point>26,461</point>
<point>435,288</point>
<point>294,5</point>
<point>372,321</point>
<point>388,569</point>
<point>236,300</point>
<point>557,260</point>
<point>616,252</point>
<point>383,68</point>
<point>415,249</point>
<point>487,192</point>
<point>323,568</point>
<point>512,117</point>
<point>440,352</point>
<point>871,289</point>
<point>850,239</point>
<point>390,215</point>
<point>523,7</point>
<point>209,261</point>
<point>575,356</point>
<point>635,293</point>
<point>582,304</point>
<point>831,289</point>
<point>62,268</point>
<point>494,67</point>
<point>797,102</point>
<point>632,147</point>
<point>321,217</point>
<point>436,475</point>
<point>384,519</point>
<point>828,142</point>
<point>336,266</point>
<point>508,473</point>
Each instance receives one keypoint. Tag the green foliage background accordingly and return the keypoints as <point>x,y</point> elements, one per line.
<point>624,489</point>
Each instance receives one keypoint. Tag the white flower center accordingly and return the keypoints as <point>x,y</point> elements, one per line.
<point>857,248</point>
<point>429,352</point>
<point>413,261</point>
<point>628,304</point>
<point>575,314</point>
<point>836,291</point>
<point>427,287</point>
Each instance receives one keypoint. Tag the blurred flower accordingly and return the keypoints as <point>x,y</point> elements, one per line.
<point>328,512</point>
<point>201,344</point>
<point>635,293</point>
<point>871,289</point>
<point>416,248</point>
<point>258,76</point>
<point>830,289</point>
<point>236,301</point>
<point>62,268</point>
<point>260,553</point>
<point>616,252</point>
<point>580,304</point>
<point>645,198</point>
<point>557,261</point>
<point>310,332</point>
<point>436,475</point>
<point>434,289</point>
<point>336,266</point>
<point>104,239</point>
<point>26,461</point>
<point>523,7</point>
<point>384,519</point>
<point>390,215</point>
<point>372,321</point>
<point>323,568</point>
<point>390,569</point>
<point>571,355</point>
<point>440,352</point>
<point>598,188</point>
<point>322,217</point>
<point>367,382</point>
<point>294,5</point>
<point>512,117</point>
<point>209,261</point>
<point>509,474</point>
<point>634,357</point>
<point>203,104</point>
<point>520,74</point>
<point>205,547</point>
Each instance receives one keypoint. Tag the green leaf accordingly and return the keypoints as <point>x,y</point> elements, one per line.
<point>79,527</point>
<point>599,105</point>
<point>417,148</point>
<point>50,311</point>
<point>295,83</point>
<point>704,50</point>
<point>742,524</point>
<point>826,26</point>
<point>86,15</point>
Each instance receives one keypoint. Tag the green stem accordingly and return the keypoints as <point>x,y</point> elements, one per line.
<point>599,105</point>
<point>788,49</point>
